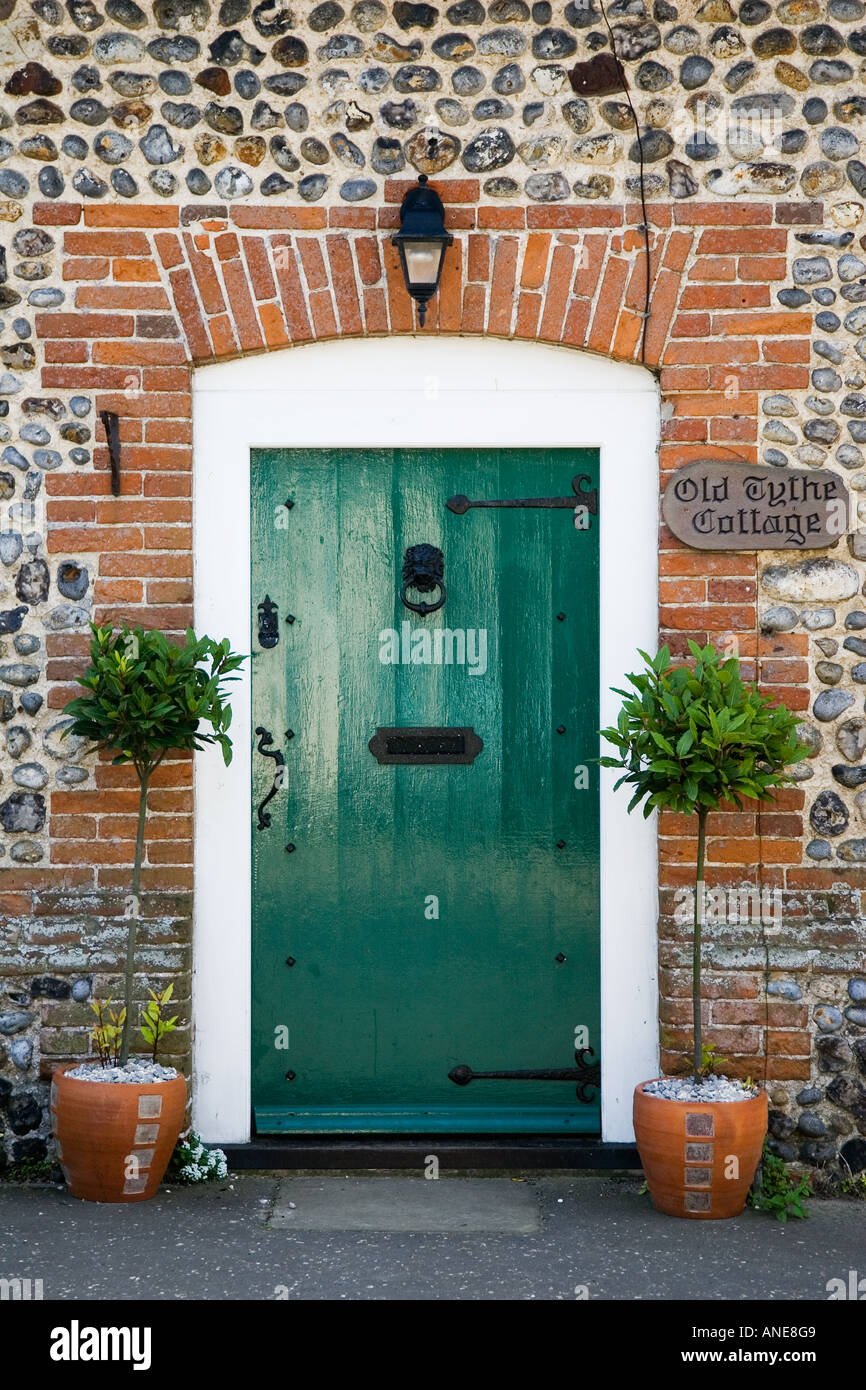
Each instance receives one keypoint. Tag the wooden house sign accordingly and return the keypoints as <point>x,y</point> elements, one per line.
<point>716,505</point>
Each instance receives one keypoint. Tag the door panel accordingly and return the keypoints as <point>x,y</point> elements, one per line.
<point>384,998</point>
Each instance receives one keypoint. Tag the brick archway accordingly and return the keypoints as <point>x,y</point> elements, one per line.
<point>264,280</point>
<point>261,278</point>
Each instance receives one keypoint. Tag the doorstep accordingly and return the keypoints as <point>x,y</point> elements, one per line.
<point>283,1153</point>
<point>406,1205</point>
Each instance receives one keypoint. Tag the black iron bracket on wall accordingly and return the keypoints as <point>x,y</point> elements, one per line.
<point>111,425</point>
<point>587,1074</point>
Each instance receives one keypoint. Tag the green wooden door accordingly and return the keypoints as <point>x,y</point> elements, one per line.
<point>410,919</point>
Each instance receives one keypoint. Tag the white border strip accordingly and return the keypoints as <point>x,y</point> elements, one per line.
<point>387,393</point>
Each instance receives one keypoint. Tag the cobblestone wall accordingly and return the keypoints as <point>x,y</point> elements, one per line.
<point>186,181</point>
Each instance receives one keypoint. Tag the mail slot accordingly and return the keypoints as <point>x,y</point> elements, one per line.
<point>425,745</point>
<point>431,745</point>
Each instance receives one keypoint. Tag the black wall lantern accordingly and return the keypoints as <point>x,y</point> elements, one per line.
<point>421,242</point>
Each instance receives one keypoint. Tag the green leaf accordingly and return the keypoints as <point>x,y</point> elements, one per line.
<point>663,742</point>
<point>685,742</point>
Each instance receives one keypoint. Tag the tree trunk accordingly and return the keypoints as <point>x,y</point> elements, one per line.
<point>133,914</point>
<point>696,943</point>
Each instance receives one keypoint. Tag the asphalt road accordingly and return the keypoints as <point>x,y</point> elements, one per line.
<point>368,1237</point>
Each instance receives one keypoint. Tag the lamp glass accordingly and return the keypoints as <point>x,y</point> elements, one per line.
<point>423,259</point>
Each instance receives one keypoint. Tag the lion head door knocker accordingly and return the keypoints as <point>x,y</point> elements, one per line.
<point>424,570</point>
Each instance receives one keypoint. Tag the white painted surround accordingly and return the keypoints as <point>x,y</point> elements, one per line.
<point>398,392</point>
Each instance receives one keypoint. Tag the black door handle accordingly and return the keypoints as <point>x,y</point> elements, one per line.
<point>266,738</point>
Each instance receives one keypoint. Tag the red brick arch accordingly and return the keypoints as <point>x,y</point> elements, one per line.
<point>267,279</point>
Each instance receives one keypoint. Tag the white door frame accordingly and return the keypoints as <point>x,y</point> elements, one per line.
<point>392,392</point>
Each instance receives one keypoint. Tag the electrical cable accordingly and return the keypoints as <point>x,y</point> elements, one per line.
<point>645,224</point>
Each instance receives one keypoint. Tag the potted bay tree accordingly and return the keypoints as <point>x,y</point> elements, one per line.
<point>690,739</point>
<point>116,1121</point>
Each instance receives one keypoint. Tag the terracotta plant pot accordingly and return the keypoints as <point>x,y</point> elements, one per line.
<point>114,1140</point>
<point>699,1158</point>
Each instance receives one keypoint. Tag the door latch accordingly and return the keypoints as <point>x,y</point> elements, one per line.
<point>586,1073</point>
<point>269,633</point>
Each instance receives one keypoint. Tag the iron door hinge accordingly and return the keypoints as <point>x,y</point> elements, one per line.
<point>583,497</point>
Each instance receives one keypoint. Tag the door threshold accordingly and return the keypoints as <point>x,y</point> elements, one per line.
<point>364,1121</point>
<point>283,1153</point>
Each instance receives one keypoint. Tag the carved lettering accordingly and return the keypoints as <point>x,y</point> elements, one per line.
<point>719,505</point>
